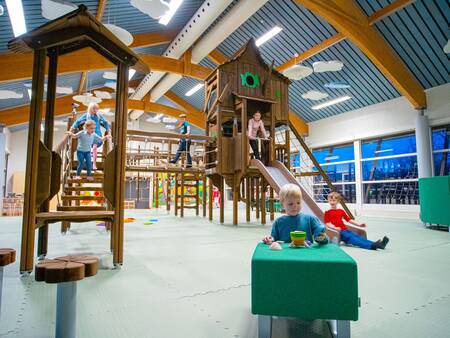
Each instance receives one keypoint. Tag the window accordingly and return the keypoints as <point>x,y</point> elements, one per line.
<point>295,160</point>
<point>339,163</point>
<point>441,150</point>
<point>389,170</point>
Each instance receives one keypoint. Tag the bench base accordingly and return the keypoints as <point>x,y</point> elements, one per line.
<point>338,328</point>
<point>66,310</point>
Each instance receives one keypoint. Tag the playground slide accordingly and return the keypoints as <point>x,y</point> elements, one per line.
<point>278,175</point>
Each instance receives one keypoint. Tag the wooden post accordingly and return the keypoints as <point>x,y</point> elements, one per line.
<point>247,199</point>
<point>156,191</point>
<point>235,203</point>
<point>168,193</point>
<point>204,195</point>
<point>197,195</point>
<point>182,196</point>
<point>263,201</point>
<point>48,141</point>
<point>222,201</point>
<point>119,165</point>
<point>257,203</point>
<point>252,191</point>
<point>210,198</point>
<point>176,195</point>
<point>34,131</point>
<point>272,211</point>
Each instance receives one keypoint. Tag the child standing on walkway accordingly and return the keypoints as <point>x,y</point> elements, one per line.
<point>334,220</point>
<point>290,198</point>
<point>256,125</point>
<point>86,138</point>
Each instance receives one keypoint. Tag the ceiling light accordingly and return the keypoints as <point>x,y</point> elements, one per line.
<point>131,74</point>
<point>194,89</point>
<point>270,34</point>
<point>331,102</point>
<point>174,5</point>
<point>16,16</point>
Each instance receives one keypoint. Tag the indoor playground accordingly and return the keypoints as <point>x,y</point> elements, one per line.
<point>226,168</point>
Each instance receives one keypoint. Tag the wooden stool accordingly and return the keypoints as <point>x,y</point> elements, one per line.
<point>7,256</point>
<point>66,271</point>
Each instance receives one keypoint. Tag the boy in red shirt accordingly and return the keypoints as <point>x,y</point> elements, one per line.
<point>334,219</point>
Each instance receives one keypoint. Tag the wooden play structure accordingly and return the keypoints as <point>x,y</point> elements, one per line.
<point>184,187</point>
<point>44,175</point>
<point>233,93</point>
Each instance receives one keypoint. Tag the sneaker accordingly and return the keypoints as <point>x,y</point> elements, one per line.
<point>90,178</point>
<point>77,178</point>
<point>384,242</point>
<point>376,245</point>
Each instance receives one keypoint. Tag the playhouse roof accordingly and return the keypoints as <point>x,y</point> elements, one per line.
<point>250,47</point>
<point>76,30</point>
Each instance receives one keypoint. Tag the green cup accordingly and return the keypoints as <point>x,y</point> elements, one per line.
<point>298,237</point>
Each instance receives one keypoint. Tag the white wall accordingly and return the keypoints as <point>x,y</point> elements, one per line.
<point>384,118</point>
<point>18,151</point>
<point>390,117</point>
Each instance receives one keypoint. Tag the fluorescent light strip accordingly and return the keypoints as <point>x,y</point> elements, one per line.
<point>131,74</point>
<point>194,89</point>
<point>16,16</point>
<point>174,5</point>
<point>269,35</point>
<point>331,102</point>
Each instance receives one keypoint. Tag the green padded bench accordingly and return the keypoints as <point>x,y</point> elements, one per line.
<point>320,282</point>
<point>434,197</point>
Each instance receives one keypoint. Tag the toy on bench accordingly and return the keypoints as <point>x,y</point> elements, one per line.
<point>66,271</point>
<point>7,256</point>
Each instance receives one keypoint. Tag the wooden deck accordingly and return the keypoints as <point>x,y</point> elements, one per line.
<point>74,216</point>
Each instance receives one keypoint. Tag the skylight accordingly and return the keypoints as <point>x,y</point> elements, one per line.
<point>174,5</point>
<point>269,35</point>
<point>16,16</point>
<point>331,102</point>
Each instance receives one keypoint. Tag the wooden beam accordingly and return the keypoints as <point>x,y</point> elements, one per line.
<point>100,10</point>
<point>19,66</point>
<point>300,125</point>
<point>217,57</point>
<point>371,42</point>
<point>182,67</point>
<point>63,106</point>
<point>153,38</point>
<point>312,51</point>
<point>388,10</point>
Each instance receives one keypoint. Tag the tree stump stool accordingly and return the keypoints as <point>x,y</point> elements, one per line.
<point>66,271</point>
<point>7,256</point>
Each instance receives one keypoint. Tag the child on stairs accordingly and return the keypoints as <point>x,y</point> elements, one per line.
<point>86,138</point>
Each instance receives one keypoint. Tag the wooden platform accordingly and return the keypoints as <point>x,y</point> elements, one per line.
<point>164,169</point>
<point>74,216</point>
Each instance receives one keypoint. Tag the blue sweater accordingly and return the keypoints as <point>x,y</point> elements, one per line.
<point>283,225</point>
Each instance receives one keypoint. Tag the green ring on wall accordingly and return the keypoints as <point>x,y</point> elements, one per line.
<point>250,80</point>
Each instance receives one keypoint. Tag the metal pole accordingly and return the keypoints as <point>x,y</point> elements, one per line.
<point>423,142</point>
<point>66,310</point>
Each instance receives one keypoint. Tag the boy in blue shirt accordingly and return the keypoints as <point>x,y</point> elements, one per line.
<point>185,144</point>
<point>86,138</point>
<point>290,198</point>
<point>92,114</point>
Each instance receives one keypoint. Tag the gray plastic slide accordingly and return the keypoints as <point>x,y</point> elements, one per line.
<point>277,175</point>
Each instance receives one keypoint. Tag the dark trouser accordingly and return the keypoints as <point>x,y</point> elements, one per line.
<point>254,145</point>
<point>184,146</point>
<point>84,157</point>
<point>350,237</point>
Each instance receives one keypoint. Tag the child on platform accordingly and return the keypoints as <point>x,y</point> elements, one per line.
<point>255,126</point>
<point>86,138</point>
<point>290,198</point>
<point>334,220</point>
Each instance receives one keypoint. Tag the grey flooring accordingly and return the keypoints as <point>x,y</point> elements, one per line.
<point>191,278</point>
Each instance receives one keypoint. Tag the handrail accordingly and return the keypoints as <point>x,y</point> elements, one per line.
<point>62,144</point>
<point>174,136</point>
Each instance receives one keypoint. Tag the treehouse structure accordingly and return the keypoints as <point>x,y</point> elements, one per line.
<point>233,93</point>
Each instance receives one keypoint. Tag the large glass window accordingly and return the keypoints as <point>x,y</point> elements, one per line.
<point>339,163</point>
<point>389,170</point>
<point>295,160</point>
<point>441,150</point>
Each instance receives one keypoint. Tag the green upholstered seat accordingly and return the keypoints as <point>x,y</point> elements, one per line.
<point>434,196</point>
<point>320,282</point>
